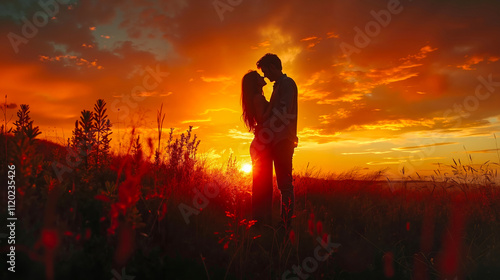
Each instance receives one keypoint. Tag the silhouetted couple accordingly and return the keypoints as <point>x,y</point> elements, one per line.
<point>274,125</point>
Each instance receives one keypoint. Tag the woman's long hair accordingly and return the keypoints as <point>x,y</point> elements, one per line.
<point>249,88</point>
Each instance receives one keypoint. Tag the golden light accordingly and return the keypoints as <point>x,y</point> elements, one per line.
<point>247,168</point>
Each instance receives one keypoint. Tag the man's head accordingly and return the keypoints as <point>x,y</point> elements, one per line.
<point>270,64</point>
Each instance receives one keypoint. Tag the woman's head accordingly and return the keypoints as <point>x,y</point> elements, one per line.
<point>251,85</point>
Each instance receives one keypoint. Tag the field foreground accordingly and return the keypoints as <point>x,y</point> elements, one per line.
<point>143,219</point>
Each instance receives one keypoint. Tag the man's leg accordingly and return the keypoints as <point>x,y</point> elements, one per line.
<point>282,156</point>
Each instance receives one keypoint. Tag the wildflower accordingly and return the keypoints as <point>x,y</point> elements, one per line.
<point>292,236</point>
<point>242,222</point>
<point>325,238</point>
<point>229,215</point>
<point>319,227</point>
<point>102,197</point>
<point>250,224</point>
<point>50,239</point>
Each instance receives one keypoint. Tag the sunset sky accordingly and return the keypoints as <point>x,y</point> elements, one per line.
<point>381,83</point>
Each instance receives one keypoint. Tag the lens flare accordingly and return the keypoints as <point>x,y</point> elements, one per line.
<point>247,168</point>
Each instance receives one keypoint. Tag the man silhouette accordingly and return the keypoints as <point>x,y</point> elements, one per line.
<point>282,130</point>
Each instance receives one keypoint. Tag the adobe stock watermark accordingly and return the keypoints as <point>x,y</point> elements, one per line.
<point>11,221</point>
<point>363,38</point>
<point>151,81</point>
<point>222,6</point>
<point>200,200</point>
<point>310,264</point>
<point>29,29</point>
<point>470,103</point>
<point>457,113</point>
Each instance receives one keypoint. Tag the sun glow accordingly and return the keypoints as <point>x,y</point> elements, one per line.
<point>247,168</point>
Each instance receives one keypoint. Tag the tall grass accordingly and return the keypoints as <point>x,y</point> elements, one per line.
<point>441,226</point>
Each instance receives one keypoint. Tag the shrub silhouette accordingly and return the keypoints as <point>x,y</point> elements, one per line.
<point>91,137</point>
<point>24,124</point>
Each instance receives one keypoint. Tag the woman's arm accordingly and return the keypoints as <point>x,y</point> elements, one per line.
<point>262,108</point>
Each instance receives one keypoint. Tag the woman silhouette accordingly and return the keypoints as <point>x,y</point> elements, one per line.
<point>256,109</point>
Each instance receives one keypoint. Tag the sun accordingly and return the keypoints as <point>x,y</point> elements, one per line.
<point>247,168</point>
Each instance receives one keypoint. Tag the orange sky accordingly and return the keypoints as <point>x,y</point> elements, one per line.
<point>381,83</point>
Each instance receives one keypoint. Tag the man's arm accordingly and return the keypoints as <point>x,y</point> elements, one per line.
<point>287,94</point>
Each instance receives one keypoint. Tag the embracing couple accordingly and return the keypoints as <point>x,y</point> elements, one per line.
<point>274,124</point>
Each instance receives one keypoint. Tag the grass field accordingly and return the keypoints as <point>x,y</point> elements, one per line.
<point>170,215</point>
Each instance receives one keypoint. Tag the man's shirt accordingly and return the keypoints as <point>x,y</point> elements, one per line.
<point>283,119</point>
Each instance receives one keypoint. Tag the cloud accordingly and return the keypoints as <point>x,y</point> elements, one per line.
<point>391,161</point>
<point>196,121</point>
<point>420,73</point>
<point>383,162</point>
<point>208,111</point>
<point>367,153</point>
<point>484,151</point>
<point>237,134</point>
<point>316,135</point>
<point>71,59</point>
<point>424,146</point>
<point>215,79</point>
